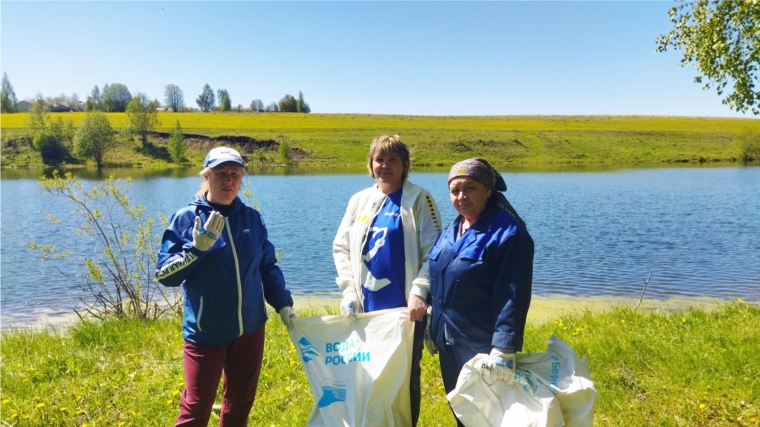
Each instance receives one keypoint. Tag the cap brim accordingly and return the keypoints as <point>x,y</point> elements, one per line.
<point>219,161</point>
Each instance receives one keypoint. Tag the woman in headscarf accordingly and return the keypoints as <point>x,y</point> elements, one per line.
<point>481,270</point>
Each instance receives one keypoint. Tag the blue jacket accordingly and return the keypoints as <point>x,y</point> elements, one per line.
<point>480,285</point>
<point>223,285</point>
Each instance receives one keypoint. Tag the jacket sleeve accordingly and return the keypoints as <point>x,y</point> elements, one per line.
<point>428,230</point>
<point>178,258</point>
<point>513,264</point>
<point>271,277</point>
<point>342,253</point>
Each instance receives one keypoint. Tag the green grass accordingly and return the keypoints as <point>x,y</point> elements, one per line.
<point>685,368</point>
<point>341,140</point>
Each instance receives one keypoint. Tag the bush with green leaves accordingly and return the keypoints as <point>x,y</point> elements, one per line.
<point>749,144</point>
<point>51,137</point>
<point>177,147</point>
<point>95,137</point>
<point>120,279</point>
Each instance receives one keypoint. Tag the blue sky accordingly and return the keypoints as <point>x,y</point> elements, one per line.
<point>422,58</point>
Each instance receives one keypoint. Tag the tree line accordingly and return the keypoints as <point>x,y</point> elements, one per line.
<point>57,138</point>
<point>115,97</point>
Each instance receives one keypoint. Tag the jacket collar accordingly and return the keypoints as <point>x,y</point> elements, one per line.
<point>484,222</point>
<point>234,206</point>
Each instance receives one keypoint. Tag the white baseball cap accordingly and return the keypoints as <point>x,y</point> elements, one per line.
<point>220,155</point>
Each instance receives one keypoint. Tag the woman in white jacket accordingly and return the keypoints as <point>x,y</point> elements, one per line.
<point>382,246</point>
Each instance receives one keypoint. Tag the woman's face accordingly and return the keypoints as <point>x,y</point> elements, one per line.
<point>224,182</point>
<point>468,196</point>
<point>388,169</point>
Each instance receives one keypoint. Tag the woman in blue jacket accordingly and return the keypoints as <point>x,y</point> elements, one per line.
<point>481,270</point>
<point>227,268</point>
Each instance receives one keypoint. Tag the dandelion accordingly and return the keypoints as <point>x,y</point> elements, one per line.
<point>622,320</point>
<point>79,397</point>
<point>80,412</point>
<point>6,401</point>
<point>292,362</point>
<point>14,415</point>
<point>129,355</point>
<point>739,300</point>
<point>701,406</point>
<point>175,392</point>
<point>63,409</point>
<point>169,402</point>
<point>40,405</point>
<point>683,320</point>
<point>29,369</point>
<point>85,425</point>
<point>752,420</point>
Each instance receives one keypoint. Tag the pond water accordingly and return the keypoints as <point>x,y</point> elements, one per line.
<point>601,232</point>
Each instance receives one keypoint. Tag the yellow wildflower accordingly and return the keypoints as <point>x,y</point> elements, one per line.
<point>701,406</point>
<point>683,320</point>
<point>40,405</point>
<point>6,401</point>
<point>739,300</point>
<point>63,409</point>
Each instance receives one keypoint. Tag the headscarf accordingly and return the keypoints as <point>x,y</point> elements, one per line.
<point>482,171</point>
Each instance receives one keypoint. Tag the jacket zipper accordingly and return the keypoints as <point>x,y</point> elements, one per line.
<point>237,273</point>
<point>200,313</point>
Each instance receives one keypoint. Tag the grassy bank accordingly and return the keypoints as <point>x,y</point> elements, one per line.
<point>330,140</point>
<point>684,368</point>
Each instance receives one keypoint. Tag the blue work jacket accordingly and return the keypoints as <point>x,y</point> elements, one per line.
<point>480,284</point>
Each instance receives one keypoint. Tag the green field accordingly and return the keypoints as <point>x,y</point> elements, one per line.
<point>695,367</point>
<point>341,140</point>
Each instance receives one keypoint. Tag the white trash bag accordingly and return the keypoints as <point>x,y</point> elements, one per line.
<point>550,389</point>
<point>358,370</point>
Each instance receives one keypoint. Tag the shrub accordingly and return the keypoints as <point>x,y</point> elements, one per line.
<point>51,149</point>
<point>749,144</point>
<point>120,276</point>
<point>177,147</point>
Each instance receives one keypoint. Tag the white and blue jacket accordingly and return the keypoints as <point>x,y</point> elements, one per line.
<point>226,285</point>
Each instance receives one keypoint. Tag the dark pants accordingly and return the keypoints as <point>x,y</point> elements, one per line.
<point>452,359</point>
<point>240,361</point>
<point>414,381</point>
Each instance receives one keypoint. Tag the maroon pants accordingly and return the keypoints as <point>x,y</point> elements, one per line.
<point>240,361</point>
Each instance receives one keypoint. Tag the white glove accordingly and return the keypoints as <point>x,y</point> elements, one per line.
<point>429,344</point>
<point>347,307</point>
<point>287,314</point>
<point>502,363</point>
<point>204,238</point>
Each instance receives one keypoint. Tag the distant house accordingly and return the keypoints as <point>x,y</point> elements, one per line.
<point>24,106</point>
